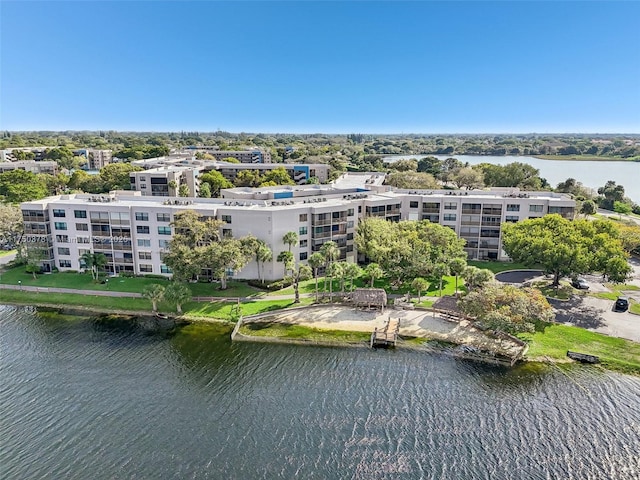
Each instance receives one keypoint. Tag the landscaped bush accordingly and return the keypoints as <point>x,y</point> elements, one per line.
<point>272,287</point>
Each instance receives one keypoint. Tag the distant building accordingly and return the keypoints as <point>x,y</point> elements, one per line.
<point>30,166</point>
<point>96,158</point>
<point>8,154</point>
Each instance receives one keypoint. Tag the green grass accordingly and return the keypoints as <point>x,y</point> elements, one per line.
<point>4,253</point>
<point>424,303</point>
<point>634,308</point>
<point>615,353</point>
<point>225,310</point>
<point>497,267</point>
<point>299,332</point>
<point>83,281</point>
<point>618,290</point>
<point>308,286</point>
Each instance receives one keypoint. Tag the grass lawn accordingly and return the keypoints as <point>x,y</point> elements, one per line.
<point>497,267</point>
<point>84,281</point>
<point>634,307</point>
<point>4,253</point>
<point>308,286</point>
<point>225,310</point>
<point>555,340</point>
<point>618,290</point>
<point>289,331</point>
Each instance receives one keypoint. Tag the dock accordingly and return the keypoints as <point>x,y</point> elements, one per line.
<point>387,336</point>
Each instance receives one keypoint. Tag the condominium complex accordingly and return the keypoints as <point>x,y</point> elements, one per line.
<point>30,166</point>
<point>133,230</point>
<point>96,159</point>
<point>248,155</point>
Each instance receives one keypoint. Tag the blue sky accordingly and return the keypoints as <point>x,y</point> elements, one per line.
<point>335,67</point>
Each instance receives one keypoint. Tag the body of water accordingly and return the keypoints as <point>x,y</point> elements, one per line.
<point>110,398</point>
<point>590,174</point>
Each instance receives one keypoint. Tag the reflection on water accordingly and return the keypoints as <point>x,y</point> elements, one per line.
<point>109,398</point>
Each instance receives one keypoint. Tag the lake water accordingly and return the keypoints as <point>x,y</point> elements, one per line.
<point>104,399</point>
<point>591,174</point>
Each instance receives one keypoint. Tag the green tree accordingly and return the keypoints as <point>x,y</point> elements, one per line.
<point>286,258</point>
<point>17,186</point>
<point>205,191</point>
<point>507,308</point>
<point>178,293</point>
<point>335,270</point>
<point>439,271</point>
<point>420,285</point>
<point>33,256</point>
<point>290,238</point>
<point>475,277</point>
<point>11,226</point>
<point>373,272</point>
<point>588,208</point>
<point>183,190</point>
<point>297,274</point>
<point>216,181</point>
<point>116,175</point>
<point>155,294</point>
<point>563,247</point>
<point>227,255</point>
<point>331,253</point>
<point>351,272</point>
<point>248,178</point>
<point>408,180</point>
<point>94,262</point>
<point>621,208</point>
<point>612,193</point>
<point>456,267</point>
<point>316,260</point>
<point>277,176</point>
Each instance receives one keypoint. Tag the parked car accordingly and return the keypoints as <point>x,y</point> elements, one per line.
<point>621,305</point>
<point>580,284</point>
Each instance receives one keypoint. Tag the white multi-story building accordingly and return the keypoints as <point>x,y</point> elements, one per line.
<point>34,166</point>
<point>133,230</point>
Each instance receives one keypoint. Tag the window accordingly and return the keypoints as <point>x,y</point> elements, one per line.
<point>142,229</point>
<point>82,227</point>
<point>165,269</point>
<point>304,243</point>
<point>144,242</point>
<point>99,217</point>
<point>163,243</point>
<point>511,218</point>
<point>60,225</point>
<point>303,217</point>
<point>80,213</point>
<point>414,204</point>
<point>449,217</point>
<point>227,233</point>
<point>142,216</point>
<point>226,218</point>
<point>350,224</point>
<point>58,213</point>
<point>142,178</point>
<point>303,255</point>
<point>64,251</point>
<point>163,217</point>
<point>146,268</point>
<point>143,185</point>
<point>83,239</point>
<point>144,255</point>
<point>350,212</point>
<point>359,208</point>
<point>349,236</point>
<point>65,263</point>
<point>513,207</point>
<point>164,230</point>
<point>536,208</point>
<point>302,230</point>
<point>450,206</point>
<point>62,238</point>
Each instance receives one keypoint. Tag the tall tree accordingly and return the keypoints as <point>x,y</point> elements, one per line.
<point>155,294</point>
<point>290,238</point>
<point>178,293</point>
<point>316,260</point>
<point>373,272</point>
<point>11,226</point>
<point>420,285</point>
<point>286,258</point>
<point>331,253</point>
<point>297,274</point>
<point>456,267</point>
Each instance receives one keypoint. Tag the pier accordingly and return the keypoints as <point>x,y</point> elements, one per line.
<point>387,336</point>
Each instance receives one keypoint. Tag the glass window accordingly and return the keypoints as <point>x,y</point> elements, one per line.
<point>513,207</point>
<point>449,217</point>
<point>227,233</point>
<point>144,255</point>
<point>60,225</point>
<point>414,204</point>
<point>82,227</point>
<point>80,213</point>
<point>450,206</point>
<point>165,269</point>
<point>142,229</point>
<point>146,268</point>
<point>303,255</point>
<point>144,242</point>
<point>62,238</point>
<point>536,208</point>
<point>142,216</point>
<point>226,218</point>
<point>303,217</point>
<point>58,213</point>
<point>64,251</point>
<point>164,230</point>
<point>304,243</point>
<point>163,243</point>
<point>302,230</point>
<point>163,217</point>
<point>511,218</point>
<point>65,263</point>
<point>350,212</point>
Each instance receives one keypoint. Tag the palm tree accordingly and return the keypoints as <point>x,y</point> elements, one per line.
<point>351,271</point>
<point>439,271</point>
<point>263,255</point>
<point>178,293</point>
<point>287,259</point>
<point>99,262</point>
<point>154,293</point>
<point>303,272</point>
<point>457,266</point>
<point>420,285</point>
<point>335,270</point>
<point>374,272</point>
<point>290,238</point>
<point>94,262</point>
<point>331,253</point>
<point>87,259</point>
<point>316,261</point>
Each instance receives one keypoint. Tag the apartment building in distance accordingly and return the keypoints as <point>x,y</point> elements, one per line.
<point>133,230</point>
<point>34,166</point>
<point>96,158</point>
<point>248,155</point>
<point>9,154</point>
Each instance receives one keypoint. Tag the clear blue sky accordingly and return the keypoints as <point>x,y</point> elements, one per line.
<point>335,67</point>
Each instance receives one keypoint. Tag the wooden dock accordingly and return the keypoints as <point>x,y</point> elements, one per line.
<point>387,336</point>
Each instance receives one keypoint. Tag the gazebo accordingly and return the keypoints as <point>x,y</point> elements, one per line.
<point>368,297</point>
